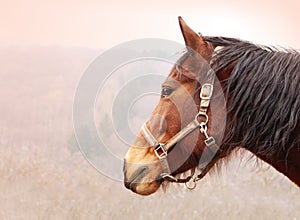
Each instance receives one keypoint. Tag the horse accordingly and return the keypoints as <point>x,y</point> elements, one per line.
<point>223,94</point>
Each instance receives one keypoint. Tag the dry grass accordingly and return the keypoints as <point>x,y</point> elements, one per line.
<point>35,187</point>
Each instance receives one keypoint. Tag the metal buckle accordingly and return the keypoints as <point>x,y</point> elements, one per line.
<point>206,91</point>
<point>160,151</point>
<point>209,141</point>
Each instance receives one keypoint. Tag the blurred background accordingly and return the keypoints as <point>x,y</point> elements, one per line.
<point>103,24</point>
<point>45,47</point>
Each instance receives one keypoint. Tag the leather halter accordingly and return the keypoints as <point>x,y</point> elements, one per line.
<point>161,149</point>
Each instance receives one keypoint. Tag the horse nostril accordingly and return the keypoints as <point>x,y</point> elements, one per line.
<point>134,179</point>
<point>127,184</point>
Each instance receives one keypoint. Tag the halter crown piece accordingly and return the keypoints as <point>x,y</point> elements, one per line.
<point>161,149</point>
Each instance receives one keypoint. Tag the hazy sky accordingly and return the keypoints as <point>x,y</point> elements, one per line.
<point>103,24</point>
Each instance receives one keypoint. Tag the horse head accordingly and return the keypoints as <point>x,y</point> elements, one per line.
<point>179,132</point>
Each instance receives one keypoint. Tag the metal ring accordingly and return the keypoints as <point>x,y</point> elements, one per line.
<point>204,115</point>
<point>191,187</point>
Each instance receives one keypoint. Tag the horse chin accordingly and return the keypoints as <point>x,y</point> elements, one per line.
<point>146,189</point>
<point>141,182</point>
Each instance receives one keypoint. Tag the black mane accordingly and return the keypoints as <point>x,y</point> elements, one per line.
<point>264,95</point>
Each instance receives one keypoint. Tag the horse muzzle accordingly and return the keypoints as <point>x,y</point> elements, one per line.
<point>137,178</point>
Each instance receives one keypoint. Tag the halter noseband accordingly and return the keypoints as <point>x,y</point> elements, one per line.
<point>161,150</point>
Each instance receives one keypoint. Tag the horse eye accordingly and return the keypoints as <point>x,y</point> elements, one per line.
<point>166,91</point>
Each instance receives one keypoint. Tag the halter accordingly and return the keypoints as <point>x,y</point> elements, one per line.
<point>200,121</point>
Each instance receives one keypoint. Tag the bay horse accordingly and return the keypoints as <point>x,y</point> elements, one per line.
<point>260,112</point>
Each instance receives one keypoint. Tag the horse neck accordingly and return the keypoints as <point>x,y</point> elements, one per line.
<point>287,161</point>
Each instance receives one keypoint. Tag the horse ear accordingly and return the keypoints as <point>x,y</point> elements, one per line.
<point>191,38</point>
